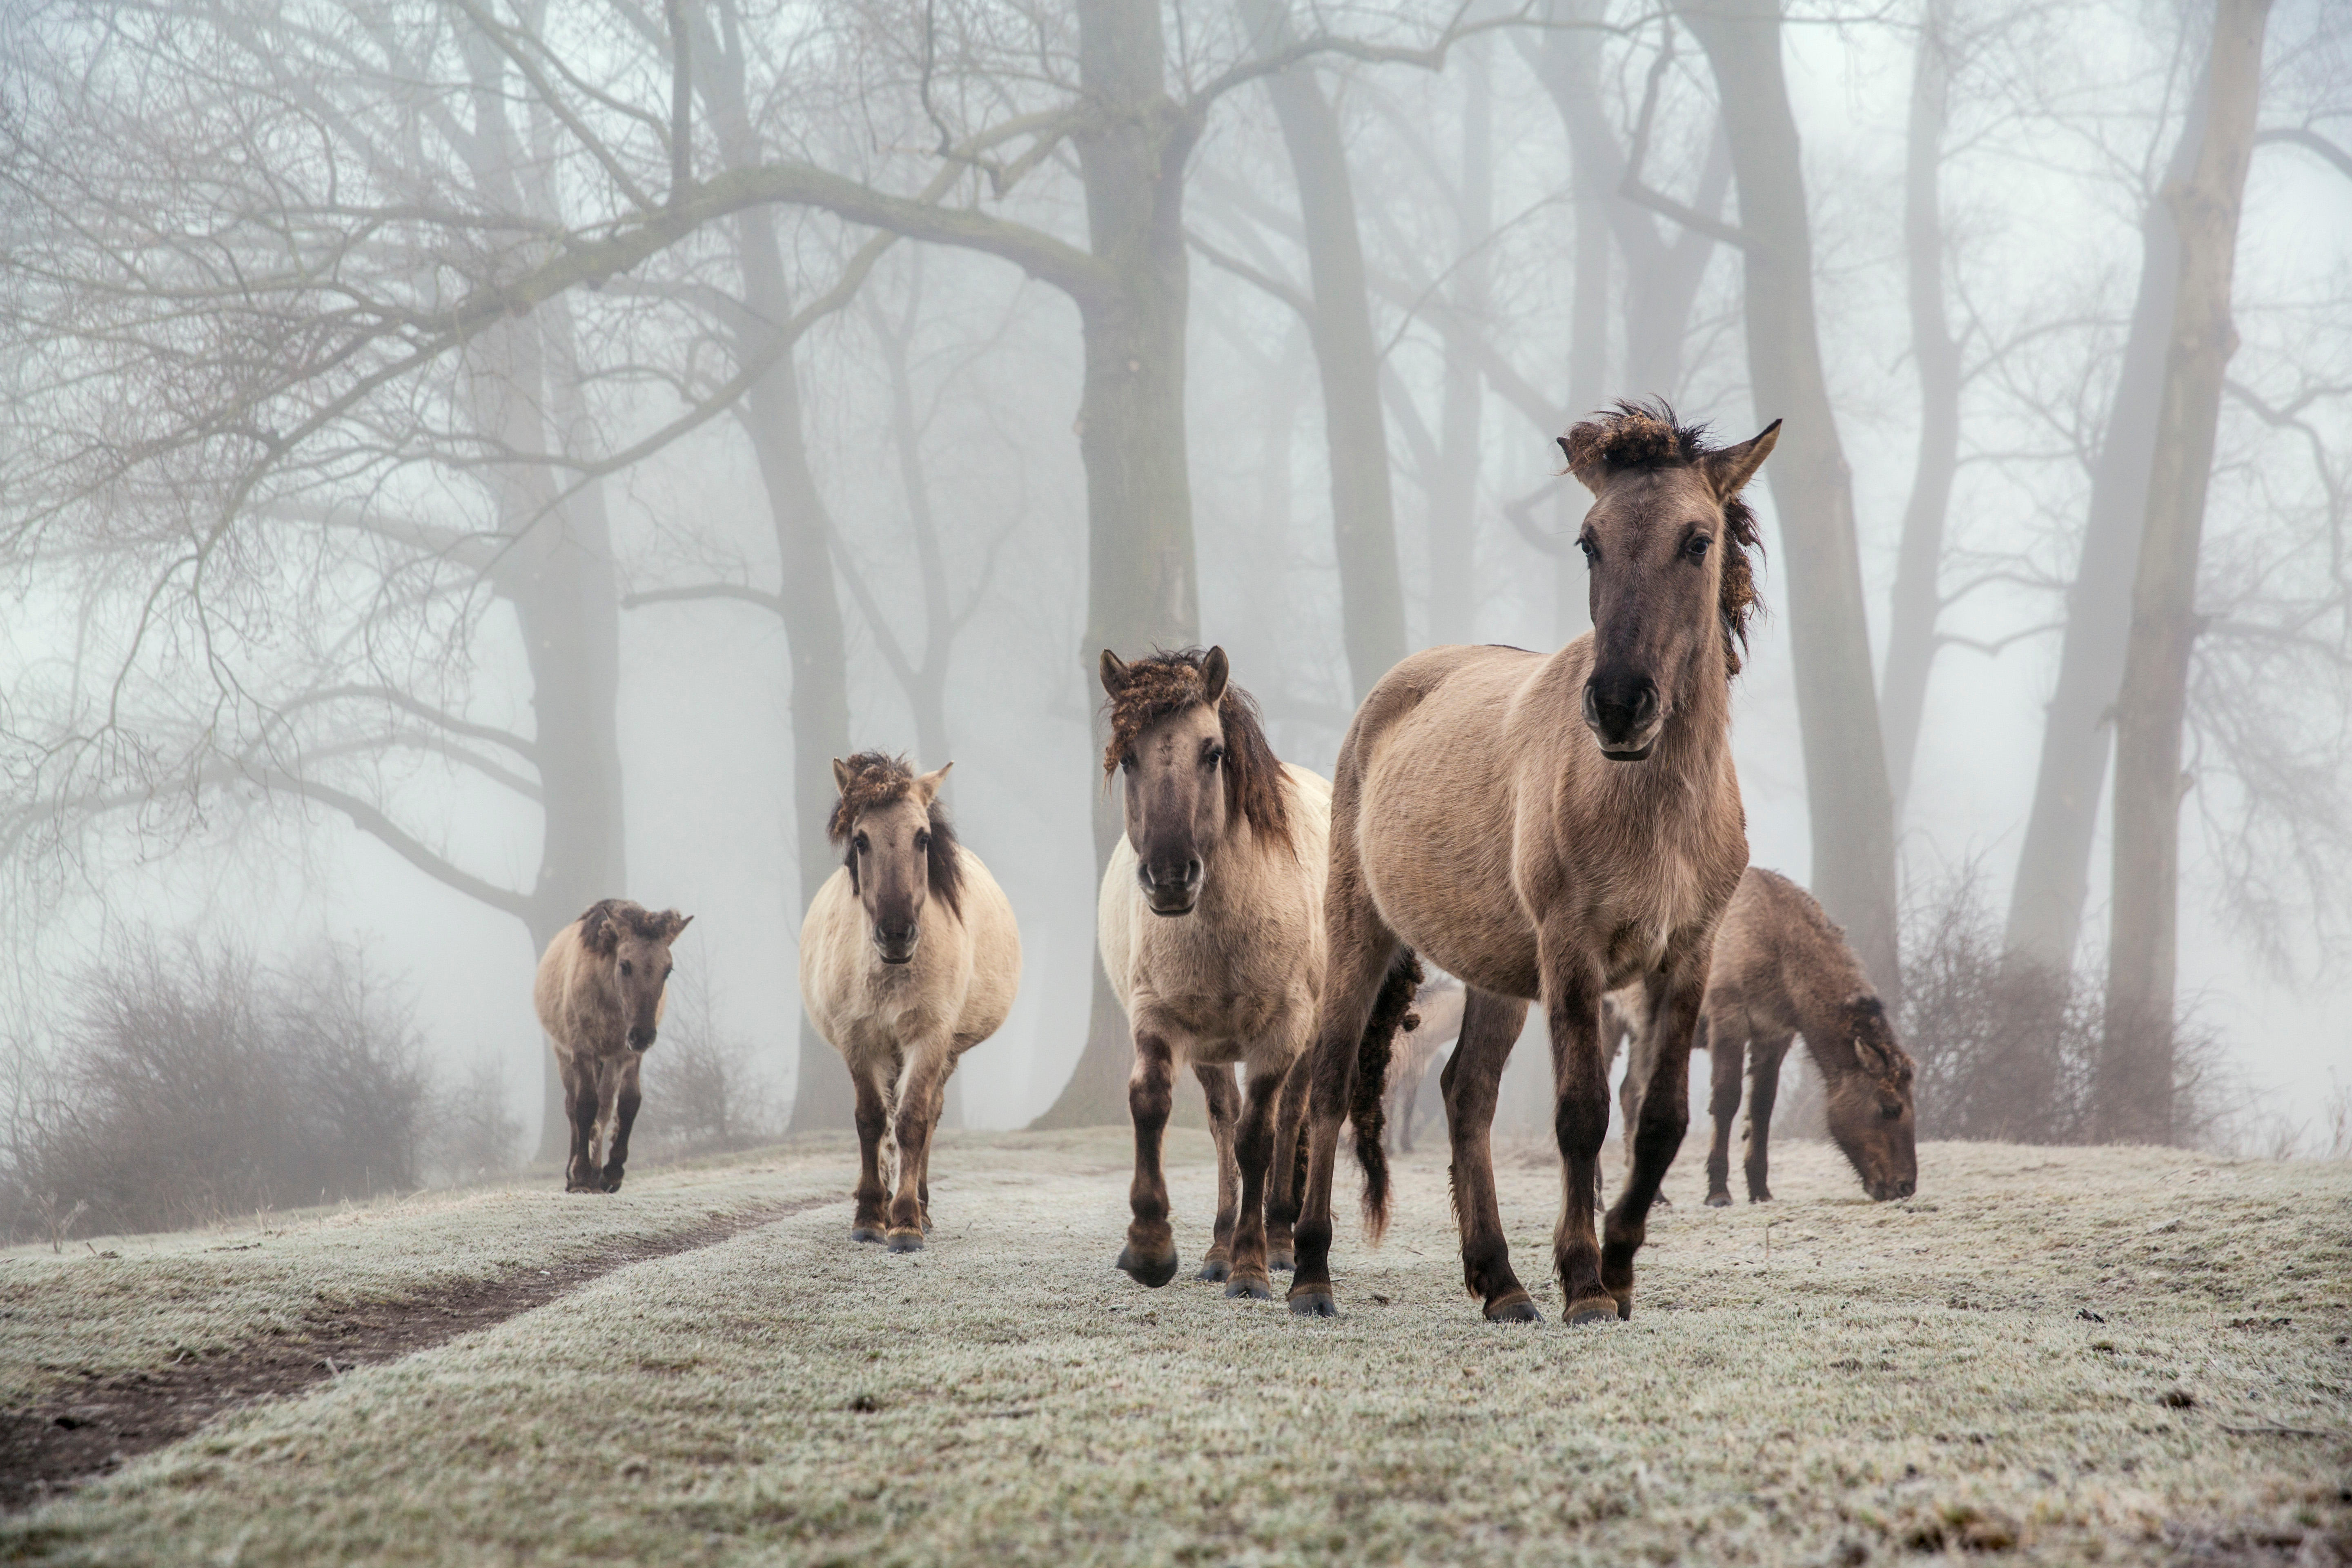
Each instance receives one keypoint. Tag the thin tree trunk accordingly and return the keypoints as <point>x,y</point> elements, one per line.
<point>1850,812</point>
<point>1363,512</point>
<point>1453,499</point>
<point>1911,639</point>
<point>2136,1055</point>
<point>1142,581</point>
<point>2053,863</point>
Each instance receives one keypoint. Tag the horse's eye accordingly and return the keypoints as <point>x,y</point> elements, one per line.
<point>922,840</point>
<point>1127,762</point>
<point>1697,548</point>
<point>859,844</point>
<point>1213,756</point>
<point>627,968</point>
<point>1891,1112</point>
<point>1585,543</point>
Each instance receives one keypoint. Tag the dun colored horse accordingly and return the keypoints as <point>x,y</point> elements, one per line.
<point>910,957</point>
<point>1210,924</point>
<point>599,994</point>
<point>1549,827</point>
<point>1782,968</point>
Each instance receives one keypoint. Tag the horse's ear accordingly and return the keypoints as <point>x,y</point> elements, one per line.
<point>1729,470</point>
<point>926,789</point>
<point>674,924</point>
<point>1114,673</point>
<point>841,775</point>
<point>1582,447</point>
<point>1214,670</point>
<point>598,934</point>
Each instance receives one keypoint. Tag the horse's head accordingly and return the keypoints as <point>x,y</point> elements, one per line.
<point>633,944</point>
<point>898,847</point>
<point>1869,1110</point>
<point>1666,543</point>
<point>1195,758</point>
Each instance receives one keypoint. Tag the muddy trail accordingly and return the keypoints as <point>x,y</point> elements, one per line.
<point>75,1436</point>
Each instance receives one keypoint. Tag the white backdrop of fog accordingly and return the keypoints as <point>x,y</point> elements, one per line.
<point>704,709</point>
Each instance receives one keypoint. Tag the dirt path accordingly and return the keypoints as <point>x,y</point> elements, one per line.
<point>60,1443</point>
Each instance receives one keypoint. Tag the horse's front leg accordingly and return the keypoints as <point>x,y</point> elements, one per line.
<point>1665,1115</point>
<point>626,1098</point>
<point>873,1118</point>
<point>1254,1144</point>
<point>1572,987</point>
<point>1150,1255</point>
<point>1224,1110</point>
<point>918,1095</point>
<point>1286,1180</point>
<point>579,1172</point>
<point>1471,1081</point>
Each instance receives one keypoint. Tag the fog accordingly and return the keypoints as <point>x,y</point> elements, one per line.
<point>170,403</point>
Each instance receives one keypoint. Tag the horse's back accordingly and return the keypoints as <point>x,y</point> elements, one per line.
<point>831,957</point>
<point>554,990</point>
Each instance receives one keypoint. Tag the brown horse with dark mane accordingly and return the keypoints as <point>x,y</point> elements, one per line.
<point>1549,827</point>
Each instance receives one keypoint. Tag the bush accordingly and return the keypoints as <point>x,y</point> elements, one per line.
<point>702,1093</point>
<point>475,1135</point>
<point>191,1084</point>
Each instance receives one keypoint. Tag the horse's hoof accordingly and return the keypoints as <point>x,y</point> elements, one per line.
<point>585,1187</point>
<point>1252,1287</point>
<point>1594,1309</point>
<point>1312,1301</point>
<point>1718,1200</point>
<point>1151,1271</point>
<point>906,1241</point>
<point>1215,1270</point>
<point>1282,1262</point>
<point>1513,1307</point>
<point>865,1232</point>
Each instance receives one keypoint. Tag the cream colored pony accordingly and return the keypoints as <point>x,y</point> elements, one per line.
<point>910,957</point>
<point>1211,922</point>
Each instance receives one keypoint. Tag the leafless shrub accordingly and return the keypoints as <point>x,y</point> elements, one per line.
<point>702,1093</point>
<point>192,1083</point>
<point>2011,1051</point>
<point>476,1137</point>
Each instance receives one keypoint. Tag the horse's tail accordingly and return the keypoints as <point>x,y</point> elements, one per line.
<point>1370,1107</point>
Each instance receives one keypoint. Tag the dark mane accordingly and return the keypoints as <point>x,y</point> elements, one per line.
<point>602,922</point>
<point>1163,684</point>
<point>1648,436</point>
<point>877,779</point>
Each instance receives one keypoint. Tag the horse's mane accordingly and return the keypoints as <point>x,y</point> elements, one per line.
<point>876,779</point>
<point>1648,436</point>
<point>602,923</point>
<point>1162,684</point>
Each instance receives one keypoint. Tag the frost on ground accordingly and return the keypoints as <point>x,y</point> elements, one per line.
<point>1891,1380</point>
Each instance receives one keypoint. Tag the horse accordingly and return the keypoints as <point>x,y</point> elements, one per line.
<point>1211,928</point>
<point>1431,1026</point>
<point>1783,968</point>
<point>599,992</point>
<point>910,957</point>
<point>1550,827</point>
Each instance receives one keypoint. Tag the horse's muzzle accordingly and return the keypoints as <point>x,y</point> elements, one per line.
<point>1175,891</point>
<point>896,946</point>
<point>640,1038</point>
<point>1887,1192</point>
<point>1625,718</point>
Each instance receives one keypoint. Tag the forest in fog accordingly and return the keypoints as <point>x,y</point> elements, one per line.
<point>464,458</point>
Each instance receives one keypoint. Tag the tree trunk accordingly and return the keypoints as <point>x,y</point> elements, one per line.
<point>1363,513</point>
<point>2053,863</point>
<point>2136,1065</point>
<point>1916,600</point>
<point>1454,499</point>
<point>1850,812</point>
<point>1142,581</point>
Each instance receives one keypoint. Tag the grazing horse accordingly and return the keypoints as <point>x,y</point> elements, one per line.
<point>599,994</point>
<point>1783,968</point>
<point>1431,1026</point>
<point>1212,933</point>
<point>1550,827</point>
<point>910,957</point>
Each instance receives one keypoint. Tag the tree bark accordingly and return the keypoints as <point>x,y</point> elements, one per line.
<point>1916,600</point>
<point>1849,809</point>
<point>1142,580</point>
<point>1454,499</point>
<point>1363,510</point>
<point>2053,862</point>
<point>2137,1055</point>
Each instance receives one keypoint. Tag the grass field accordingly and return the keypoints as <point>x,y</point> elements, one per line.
<point>1887,1381</point>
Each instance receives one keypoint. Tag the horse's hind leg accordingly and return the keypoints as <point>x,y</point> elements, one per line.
<point>872,1117</point>
<point>1150,1255</point>
<point>1472,1078</point>
<point>1360,950</point>
<point>1724,1033</point>
<point>1665,1115</point>
<point>625,1101</point>
<point>1286,1180</point>
<point>1224,1105</point>
<point>1764,1058</point>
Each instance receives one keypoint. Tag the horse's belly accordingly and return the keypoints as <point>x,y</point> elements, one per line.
<point>1449,900</point>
